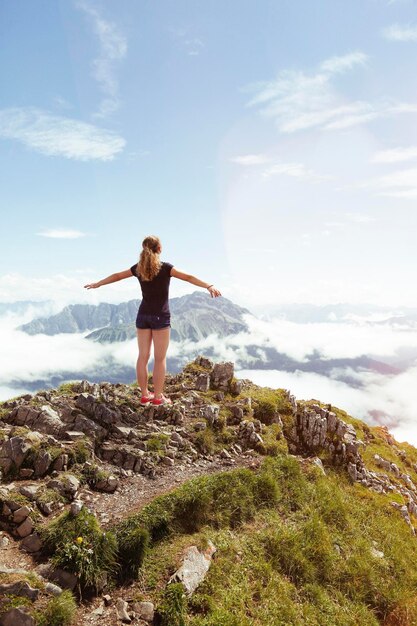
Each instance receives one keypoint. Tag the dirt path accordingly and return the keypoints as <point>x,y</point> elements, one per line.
<point>136,491</point>
<point>131,496</point>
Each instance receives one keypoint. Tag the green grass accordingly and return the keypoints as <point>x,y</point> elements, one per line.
<point>157,443</point>
<point>77,544</point>
<point>60,611</point>
<point>94,474</point>
<point>67,388</point>
<point>79,452</point>
<point>293,547</point>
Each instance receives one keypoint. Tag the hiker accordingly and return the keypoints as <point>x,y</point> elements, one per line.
<point>153,321</point>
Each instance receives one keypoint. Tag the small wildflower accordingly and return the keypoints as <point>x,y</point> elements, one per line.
<point>79,540</point>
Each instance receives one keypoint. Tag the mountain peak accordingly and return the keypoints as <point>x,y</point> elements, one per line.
<point>266,466</point>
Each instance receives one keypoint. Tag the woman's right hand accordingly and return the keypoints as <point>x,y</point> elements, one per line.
<point>92,286</point>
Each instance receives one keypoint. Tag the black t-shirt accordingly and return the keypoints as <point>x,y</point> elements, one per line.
<point>155,291</point>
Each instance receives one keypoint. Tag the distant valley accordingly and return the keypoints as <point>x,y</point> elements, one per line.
<point>194,318</point>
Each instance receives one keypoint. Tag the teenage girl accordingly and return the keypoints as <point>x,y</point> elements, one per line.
<point>153,321</point>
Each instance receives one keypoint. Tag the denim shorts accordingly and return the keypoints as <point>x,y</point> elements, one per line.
<point>156,322</point>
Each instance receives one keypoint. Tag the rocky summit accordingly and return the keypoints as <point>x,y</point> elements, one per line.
<point>237,504</point>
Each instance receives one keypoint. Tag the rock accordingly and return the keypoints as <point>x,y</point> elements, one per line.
<point>204,362</point>
<point>45,421</point>
<point>318,463</point>
<point>99,610</point>
<point>21,514</point>
<point>25,528</point>
<point>20,588</point>
<point>203,382</point>
<point>194,568</point>
<point>73,435</point>
<point>42,463</point>
<point>377,554</point>
<point>16,617</point>
<point>66,484</point>
<point>26,472</point>
<point>166,460</point>
<point>31,543</point>
<point>351,469</point>
<point>13,452</point>
<point>236,387</point>
<point>222,375</point>
<point>53,590</point>
<point>61,463</point>
<point>236,414</point>
<point>108,485</point>
<point>121,431</point>
<point>145,611</point>
<point>177,438</point>
<point>121,610</point>
<point>97,410</point>
<point>76,507</point>
<point>89,427</point>
<point>64,579</point>
<point>210,412</point>
<point>29,491</point>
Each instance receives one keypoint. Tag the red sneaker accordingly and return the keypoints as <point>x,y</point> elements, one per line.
<point>147,399</point>
<point>162,400</point>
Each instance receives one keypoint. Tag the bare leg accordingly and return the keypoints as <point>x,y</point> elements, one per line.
<point>144,344</point>
<point>160,346</point>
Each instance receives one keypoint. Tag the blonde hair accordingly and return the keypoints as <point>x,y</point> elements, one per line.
<point>149,263</point>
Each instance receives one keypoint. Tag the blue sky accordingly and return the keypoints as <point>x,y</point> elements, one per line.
<point>271,145</point>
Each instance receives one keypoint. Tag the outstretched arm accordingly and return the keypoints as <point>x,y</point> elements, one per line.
<point>189,278</point>
<point>113,278</point>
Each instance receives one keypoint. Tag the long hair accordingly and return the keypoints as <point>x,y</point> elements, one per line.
<point>149,263</point>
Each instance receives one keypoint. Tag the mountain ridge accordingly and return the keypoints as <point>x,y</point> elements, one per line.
<point>295,514</point>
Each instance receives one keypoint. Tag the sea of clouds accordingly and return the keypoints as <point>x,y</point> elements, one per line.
<point>377,398</point>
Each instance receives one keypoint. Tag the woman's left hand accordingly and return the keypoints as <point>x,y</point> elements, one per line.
<point>214,292</point>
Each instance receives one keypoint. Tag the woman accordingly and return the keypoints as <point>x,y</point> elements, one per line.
<point>153,321</point>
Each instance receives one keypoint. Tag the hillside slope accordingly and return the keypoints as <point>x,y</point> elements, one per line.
<point>312,513</point>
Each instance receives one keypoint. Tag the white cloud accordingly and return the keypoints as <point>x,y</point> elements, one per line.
<point>296,170</point>
<point>251,159</point>
<point>191,44</point>
<point>67,288</point>
<point>30,358</point>
<point>299,101</point>
<point>399,184</point>
<point>396,32</point>
<point>113,48</point>
<point>395,155</point>
<point>55,135</point>
<point>392,397</point>
<point>62,234</point>
<point>337,64</point>
<point>194,46</point>
<point>360,218</point>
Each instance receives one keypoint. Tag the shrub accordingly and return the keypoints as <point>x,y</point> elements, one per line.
<point>204,441</point>
<point>221,500</point>
<point>172,610</point>
<point>67,387</point>
<point>80,546</point>
<point>132,543</point>
<point>60,611</point>
<point>157,443</point>
<point>79,452</point>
